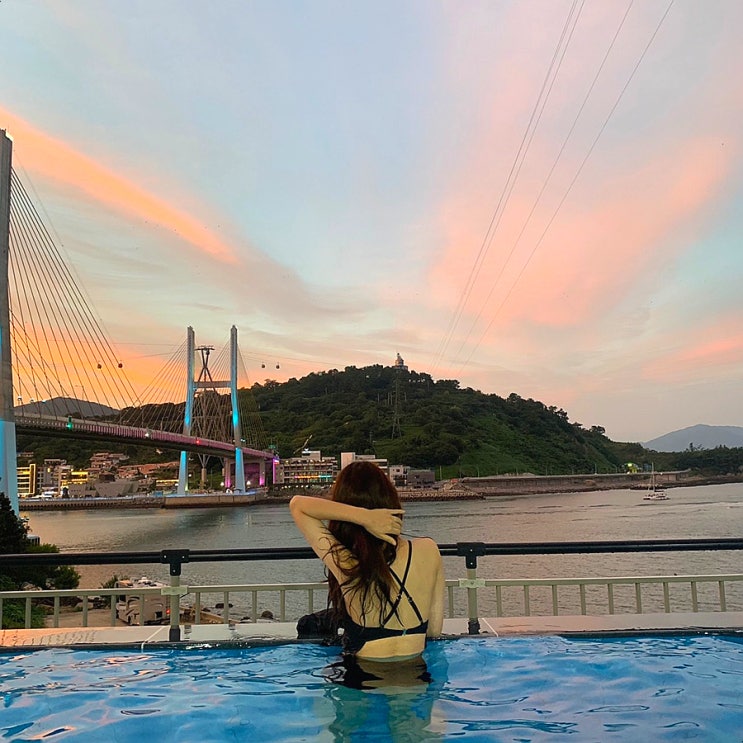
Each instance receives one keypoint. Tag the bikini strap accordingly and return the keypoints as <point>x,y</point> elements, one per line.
<point>403,590</point>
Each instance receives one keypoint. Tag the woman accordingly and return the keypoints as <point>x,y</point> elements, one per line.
<point>388,591</point>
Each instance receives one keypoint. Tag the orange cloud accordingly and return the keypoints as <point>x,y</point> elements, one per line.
<point>721,348</point>
<point>594,255</point>
<point>594,252</point>
<point>55,160</point>
<point>645,196</point>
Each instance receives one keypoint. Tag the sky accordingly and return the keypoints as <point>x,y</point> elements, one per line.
<point>538,196</point>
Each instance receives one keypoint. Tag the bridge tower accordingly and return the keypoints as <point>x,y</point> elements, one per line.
<point>8,463</point>
<point>204,381</point>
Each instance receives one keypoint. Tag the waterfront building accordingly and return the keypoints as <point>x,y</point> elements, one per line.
<point>420,478</point>
<point>146,471</point>
<point>69,477</point>
<point>350,456</point>
<point>309,469</point>
<point>48,475</point>
<point>398,474</point>
<point>27,481</point>
<point>54,476</point>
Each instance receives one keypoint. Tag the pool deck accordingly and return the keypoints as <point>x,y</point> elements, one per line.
<point>273,632</point>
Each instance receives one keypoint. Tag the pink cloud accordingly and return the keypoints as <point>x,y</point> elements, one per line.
<point>594,252</point>
<point>57,161</point>
<point>645,194</point>
<point>716,347</point>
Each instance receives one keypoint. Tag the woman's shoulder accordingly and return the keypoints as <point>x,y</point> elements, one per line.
<point>424,544</point>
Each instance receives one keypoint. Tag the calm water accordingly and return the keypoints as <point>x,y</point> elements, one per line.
<point>484,689</point>
<point>707,511</point>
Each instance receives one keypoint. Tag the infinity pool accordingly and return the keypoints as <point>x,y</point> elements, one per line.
<point>651,688</point>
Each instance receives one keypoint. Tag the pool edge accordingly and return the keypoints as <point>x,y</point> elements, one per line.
<point>251,634</point>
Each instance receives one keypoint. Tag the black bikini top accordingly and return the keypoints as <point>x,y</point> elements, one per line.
<point>356,636</point>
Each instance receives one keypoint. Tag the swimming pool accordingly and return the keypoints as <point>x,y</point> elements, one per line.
<point>649,688</point>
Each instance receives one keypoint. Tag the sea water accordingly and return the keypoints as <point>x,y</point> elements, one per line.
<point>707,511</point>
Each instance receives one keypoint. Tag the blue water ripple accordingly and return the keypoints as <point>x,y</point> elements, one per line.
<point>510,689</point>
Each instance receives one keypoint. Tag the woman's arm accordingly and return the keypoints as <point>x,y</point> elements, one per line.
<point>310,514</point>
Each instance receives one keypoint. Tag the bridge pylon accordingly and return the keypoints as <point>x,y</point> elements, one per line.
<point>8,459</point>
<point>204,381</point>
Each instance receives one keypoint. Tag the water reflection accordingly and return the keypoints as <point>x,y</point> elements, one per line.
<point>393,701</point>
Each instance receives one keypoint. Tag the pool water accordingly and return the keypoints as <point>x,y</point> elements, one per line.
<point>650,688</point>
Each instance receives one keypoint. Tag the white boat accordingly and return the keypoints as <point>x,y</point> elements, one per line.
<point>655,495</point>
<point>654,491</point>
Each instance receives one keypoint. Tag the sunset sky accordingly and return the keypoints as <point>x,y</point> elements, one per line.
<point>537,196</point>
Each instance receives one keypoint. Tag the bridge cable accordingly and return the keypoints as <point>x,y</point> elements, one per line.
<point>73,321</point>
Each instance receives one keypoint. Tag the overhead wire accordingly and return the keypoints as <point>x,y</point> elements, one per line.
<point>59,345</point>
<point>514,171</point>
<point>546,181</point>
<point>254,432</point>
<point>574,179</point>
<point>155,407</point>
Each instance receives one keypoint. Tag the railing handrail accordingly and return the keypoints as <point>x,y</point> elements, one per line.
<point>175,558</point>
<point>322,585</point>
<point>469,550</point>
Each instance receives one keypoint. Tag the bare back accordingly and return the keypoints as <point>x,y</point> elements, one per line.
<point>420,601</point>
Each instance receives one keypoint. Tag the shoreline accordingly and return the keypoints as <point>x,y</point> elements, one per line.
<point>217,500</point>
<point>466,489</point>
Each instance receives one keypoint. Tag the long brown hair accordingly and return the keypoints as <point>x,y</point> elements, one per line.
<point>362,484</point>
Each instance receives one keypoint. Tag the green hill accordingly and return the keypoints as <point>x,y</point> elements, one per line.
<point>409,418</point>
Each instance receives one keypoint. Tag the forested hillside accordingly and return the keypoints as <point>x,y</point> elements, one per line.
<point>408,418</point>
<point>411,419</point>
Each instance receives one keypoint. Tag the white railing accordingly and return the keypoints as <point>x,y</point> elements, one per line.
<point>517,597</point>
<point>469,597</point>
<point>700,593</point>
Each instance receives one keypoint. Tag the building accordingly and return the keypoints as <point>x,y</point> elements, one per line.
<point>420,478</point>
<point>349,456</point>
<point>309,469</point>
<point>27,481</point>
<point>150,470</point>
<point>400,364</point>
<point>48,475</point>
<point>69,477</point>
<point>53,477</point>
<point>105,463</point>
<point>398,474</point>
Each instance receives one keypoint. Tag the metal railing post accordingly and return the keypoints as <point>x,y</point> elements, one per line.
<point>471,551</point>
<point>174,558</point>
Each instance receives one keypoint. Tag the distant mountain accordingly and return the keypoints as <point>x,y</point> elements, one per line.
<point>62,406</point>
<point>698,437</point>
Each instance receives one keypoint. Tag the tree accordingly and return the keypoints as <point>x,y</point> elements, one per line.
<point>52,577</point>
<point>13,539</point>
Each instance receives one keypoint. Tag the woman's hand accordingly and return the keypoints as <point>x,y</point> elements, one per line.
<point>384,523</point>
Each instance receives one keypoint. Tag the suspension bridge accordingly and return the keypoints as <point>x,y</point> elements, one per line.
<point>60,374</point>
